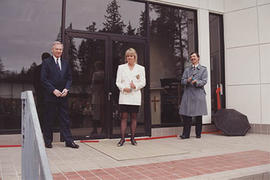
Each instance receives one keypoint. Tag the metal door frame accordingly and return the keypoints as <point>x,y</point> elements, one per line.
<point>109,38</point>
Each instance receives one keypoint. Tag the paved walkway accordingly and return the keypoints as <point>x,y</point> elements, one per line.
<point>214,157</point>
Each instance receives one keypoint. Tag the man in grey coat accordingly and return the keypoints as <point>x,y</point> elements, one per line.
<point>193,102</point>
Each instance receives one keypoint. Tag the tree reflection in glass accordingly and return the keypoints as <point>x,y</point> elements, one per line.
<point>113,16</point>
<point>172,37</point>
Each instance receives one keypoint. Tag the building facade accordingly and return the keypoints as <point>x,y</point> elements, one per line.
<point>231,37</point>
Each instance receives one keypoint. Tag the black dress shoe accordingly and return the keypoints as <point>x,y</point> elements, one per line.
<point>72,145</point>
<point>198,136</point>
<point>133,142</point>
<point>49,145</point>
<point>121,142</point>
<point>183,137</point>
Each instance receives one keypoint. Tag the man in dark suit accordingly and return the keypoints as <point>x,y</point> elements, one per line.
<point>56,80</point>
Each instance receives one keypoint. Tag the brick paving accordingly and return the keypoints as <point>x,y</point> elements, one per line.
<point>177,169</point>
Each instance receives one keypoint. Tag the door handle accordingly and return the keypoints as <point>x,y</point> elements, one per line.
<point>109,96</point>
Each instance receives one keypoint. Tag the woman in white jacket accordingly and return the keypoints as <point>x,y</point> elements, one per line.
<point>130,80</point>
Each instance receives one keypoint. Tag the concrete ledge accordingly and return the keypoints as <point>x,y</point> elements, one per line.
<point>169,131</point>
<point>261,176</point>
<point>15,139</point>
<point>260,128</point>
<point>10,139</point>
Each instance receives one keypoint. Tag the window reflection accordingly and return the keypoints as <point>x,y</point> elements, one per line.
<point>172,37</point>
<point>28,28</point>
<point>87,59</point>
<point>113,16</point>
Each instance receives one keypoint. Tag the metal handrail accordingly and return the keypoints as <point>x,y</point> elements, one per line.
<point>34,158</point>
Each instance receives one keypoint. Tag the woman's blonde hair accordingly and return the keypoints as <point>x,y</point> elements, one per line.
<point>132,52</point>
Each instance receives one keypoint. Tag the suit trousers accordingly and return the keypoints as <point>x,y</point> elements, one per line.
<point>187,125</point>
<point>53,111</point>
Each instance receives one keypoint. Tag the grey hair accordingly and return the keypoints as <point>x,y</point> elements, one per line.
<point>57,43</point>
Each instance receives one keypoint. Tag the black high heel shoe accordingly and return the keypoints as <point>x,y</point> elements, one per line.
<point>121,143</point>
<point>183,137</point>
<point>133,142</point>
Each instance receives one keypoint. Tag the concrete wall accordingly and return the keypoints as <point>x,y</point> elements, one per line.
<point>247,58</point>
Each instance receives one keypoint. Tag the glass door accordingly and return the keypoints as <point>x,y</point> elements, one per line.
<point>118,57</point>
<point>93,101</point>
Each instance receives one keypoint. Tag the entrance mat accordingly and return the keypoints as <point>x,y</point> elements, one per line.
<point>144,149</point>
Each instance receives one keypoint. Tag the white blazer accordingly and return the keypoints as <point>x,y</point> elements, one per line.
<point>123,79</point>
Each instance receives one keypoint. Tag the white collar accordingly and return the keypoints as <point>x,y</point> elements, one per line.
<point>134,65</point>
<point>55,59</point>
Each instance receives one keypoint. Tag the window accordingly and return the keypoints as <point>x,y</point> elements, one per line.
<point>217,62</point>
<point>110,16</point>
<point>28,28</point>
<point>172,37</point>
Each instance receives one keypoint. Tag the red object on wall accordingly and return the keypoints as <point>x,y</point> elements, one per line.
<point>218,98</point>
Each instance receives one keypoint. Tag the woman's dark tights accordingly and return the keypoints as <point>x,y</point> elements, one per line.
<point>124,124</point>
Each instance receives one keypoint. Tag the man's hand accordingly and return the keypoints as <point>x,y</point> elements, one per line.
<point>194,82</point>
<point>57,93</point>
<point>189,79</point>
<point>64,93</point>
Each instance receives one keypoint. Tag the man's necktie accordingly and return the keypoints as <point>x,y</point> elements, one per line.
<point>57,63</point>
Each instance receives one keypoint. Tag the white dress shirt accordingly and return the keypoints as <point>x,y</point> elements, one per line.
<point>123,80</point>
<point>59,61</point>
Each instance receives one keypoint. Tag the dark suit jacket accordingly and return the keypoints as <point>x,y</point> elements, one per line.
<point>52,78</point>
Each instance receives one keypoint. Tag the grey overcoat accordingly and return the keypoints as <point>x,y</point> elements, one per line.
<point>193,100</point>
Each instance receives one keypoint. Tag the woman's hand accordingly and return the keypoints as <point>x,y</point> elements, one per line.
<point>132,85</point>
<point>127,90</point>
